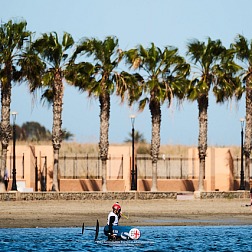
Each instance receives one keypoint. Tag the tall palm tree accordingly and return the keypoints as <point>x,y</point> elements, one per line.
<point>55,56</point>
<point>213,68</point>
<point>243,51</point>
<point>161,77</point>
<point>13,37</point>
<point>100,79</point>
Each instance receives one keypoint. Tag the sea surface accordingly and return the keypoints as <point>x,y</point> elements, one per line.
<point>154,238</point>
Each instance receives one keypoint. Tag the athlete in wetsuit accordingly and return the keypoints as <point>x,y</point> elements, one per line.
<point>113,219</point>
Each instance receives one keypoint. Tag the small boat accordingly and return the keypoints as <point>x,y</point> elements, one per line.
<point>121,233</point>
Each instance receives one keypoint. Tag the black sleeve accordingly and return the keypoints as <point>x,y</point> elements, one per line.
<point>111,220</point>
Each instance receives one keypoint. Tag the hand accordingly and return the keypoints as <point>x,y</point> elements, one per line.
<point>112,236</point>
<point>119,215</point>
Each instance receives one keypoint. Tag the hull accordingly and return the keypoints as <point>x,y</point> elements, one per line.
<point>124,232</point>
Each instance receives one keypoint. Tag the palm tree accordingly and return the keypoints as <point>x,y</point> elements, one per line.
<point>162,77</point>
<point>214,67</point>
<point>243,51</point>
<point>55,55</point>
<point>100,80</point>
<point>138,137</point>
<point>13,37</point>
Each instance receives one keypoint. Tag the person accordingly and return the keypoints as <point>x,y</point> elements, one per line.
<point>251,196</point>
<point>6,179</point>
<point>113,220</point>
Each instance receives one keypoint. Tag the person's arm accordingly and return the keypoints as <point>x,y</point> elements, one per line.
<point>119,214</point>
<point>111,221</point>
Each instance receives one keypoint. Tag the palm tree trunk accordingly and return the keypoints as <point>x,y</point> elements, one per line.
<point>55,185</point>
<point>104,175</point>
<point>104,99</point>
<point>202,140</point>
<point>5,121</point>
<point>247,172</point>
<point>155,140</point>
<point>248,135</point>
<point>58,91</point>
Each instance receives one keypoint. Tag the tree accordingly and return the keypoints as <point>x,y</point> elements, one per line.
<point>100,79</point>
<point>162,77</point>
<point>13,37</point>
<point>33,131</point>
<point>243,51</point>
<point>55,56</point>
<point>214,68</point>
<point>138,137</point>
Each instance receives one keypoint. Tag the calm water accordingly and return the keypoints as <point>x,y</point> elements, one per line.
<point>213,238</point>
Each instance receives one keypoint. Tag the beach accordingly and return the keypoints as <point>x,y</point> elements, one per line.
<point>73,213</point>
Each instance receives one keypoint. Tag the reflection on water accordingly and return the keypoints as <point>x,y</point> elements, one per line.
<point>196,238</point>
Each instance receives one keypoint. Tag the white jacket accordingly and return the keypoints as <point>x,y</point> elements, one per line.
<point>115,223</point>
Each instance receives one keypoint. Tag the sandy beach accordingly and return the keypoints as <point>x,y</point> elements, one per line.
<point>14,214</point>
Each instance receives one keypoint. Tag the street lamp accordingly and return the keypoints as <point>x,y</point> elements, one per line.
<point>242,186</point>
<point>133,173</point>
<point>14,181</point>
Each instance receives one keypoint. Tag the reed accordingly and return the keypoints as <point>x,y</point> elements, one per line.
<point>93,148</point>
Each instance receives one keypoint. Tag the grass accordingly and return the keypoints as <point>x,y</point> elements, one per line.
<point>91,148</point>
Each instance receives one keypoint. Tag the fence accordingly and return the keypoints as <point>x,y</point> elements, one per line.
<point>20,166</point>
<point>89,167</point>
<point>167,168</point>
<point>237,167</point>
<point>40,174</point>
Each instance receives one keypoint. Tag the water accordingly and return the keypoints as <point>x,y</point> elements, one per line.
<point>186,238</point>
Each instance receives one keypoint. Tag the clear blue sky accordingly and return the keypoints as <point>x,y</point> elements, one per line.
<point>164,22</point>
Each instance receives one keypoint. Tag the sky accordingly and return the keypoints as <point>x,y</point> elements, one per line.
<point>133,22</point>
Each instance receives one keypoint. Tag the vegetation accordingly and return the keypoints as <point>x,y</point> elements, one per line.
<point>34,132</point>
<point>215,68</point>
<point>100,80</point>
<point>13,39</point>
<point>243,51</point>
<point>53,54</point>
<point>156,76</point>
<point>138,137</point>
<point>164,76</point>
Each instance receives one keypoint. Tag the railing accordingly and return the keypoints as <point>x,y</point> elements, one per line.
<point>237,167</point>
<point>89,167</point>
<point>167,167</point>
<point>20,166</point>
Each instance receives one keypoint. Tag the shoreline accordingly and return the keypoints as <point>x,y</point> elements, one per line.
<point>157,212</point>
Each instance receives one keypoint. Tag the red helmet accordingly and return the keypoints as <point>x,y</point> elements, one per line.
<point>116,206</point>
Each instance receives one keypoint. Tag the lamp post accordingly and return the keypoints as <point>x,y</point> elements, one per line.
<point>133,178</point>
<point>242,186</point>
<point>14,181</point>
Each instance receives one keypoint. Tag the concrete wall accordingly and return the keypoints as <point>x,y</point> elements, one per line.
<point>219,172</point>
<point>219,169</point>
<point>169,185</point>
<point>25,165</point>
<point>118,150</point>
<point>78,185</point>
<point>164,185</point>
<point>33,196</point>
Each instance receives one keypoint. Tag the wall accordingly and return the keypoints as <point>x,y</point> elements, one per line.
<point>219,169</point>
<point>33,196</point>
<point>219,172</point>
<point>26,157</point>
